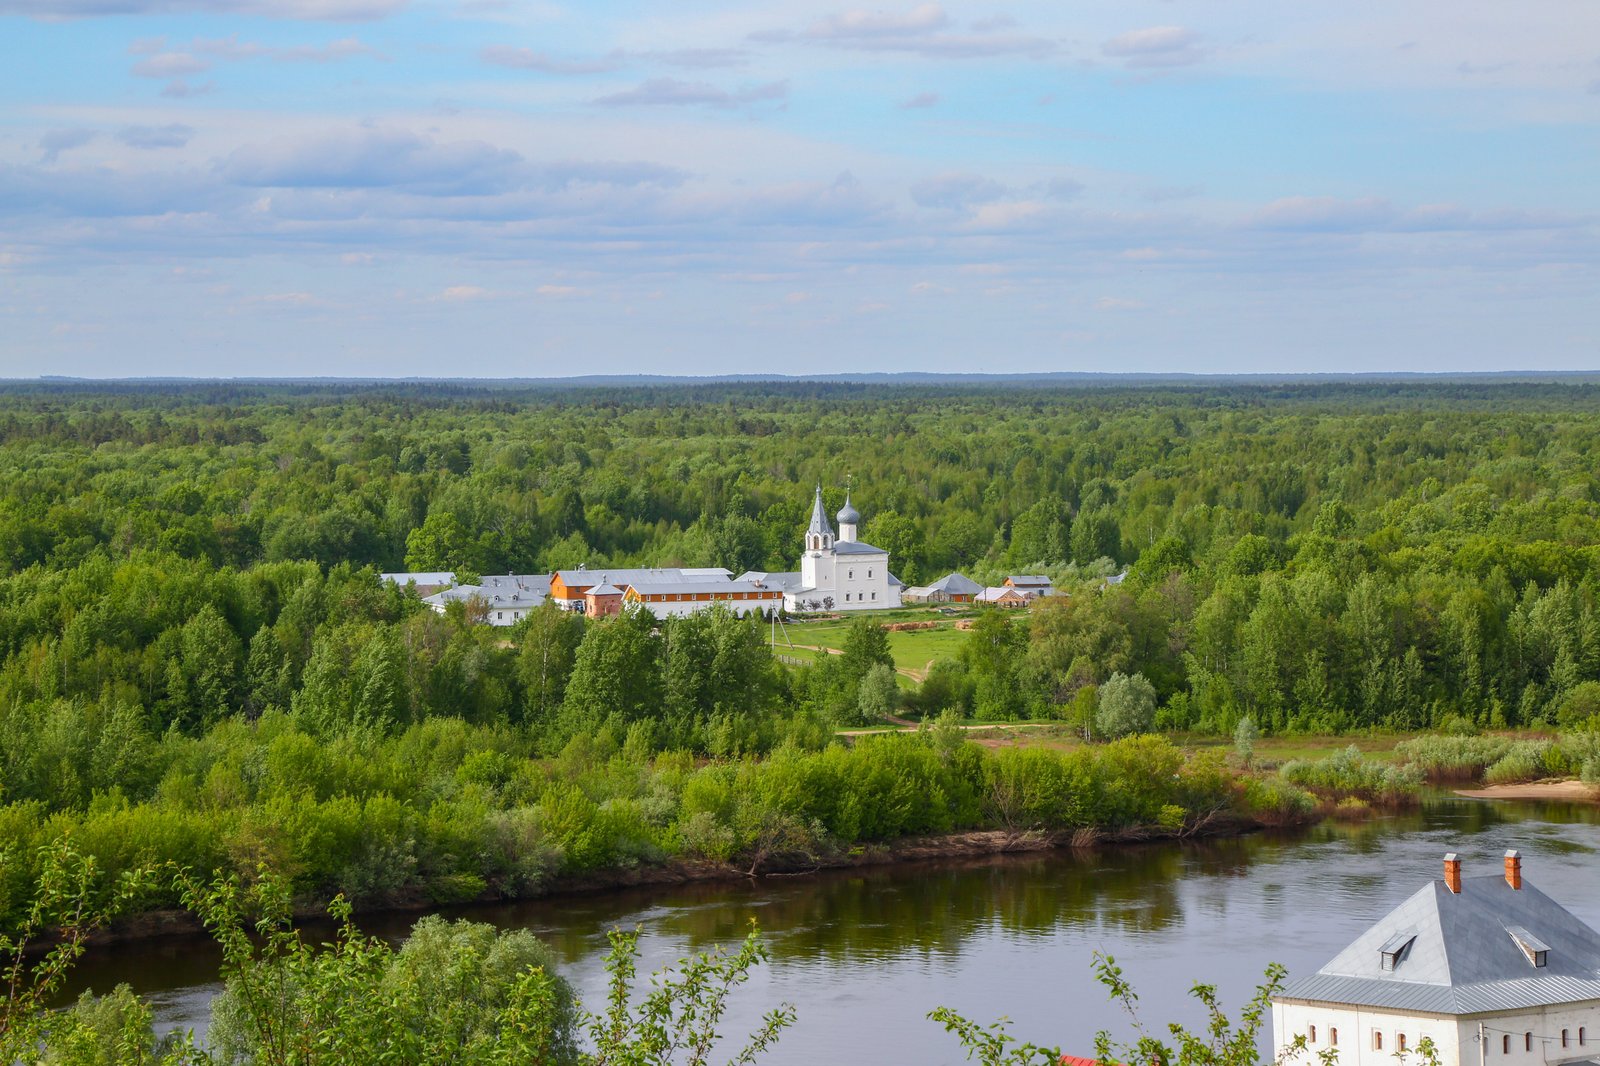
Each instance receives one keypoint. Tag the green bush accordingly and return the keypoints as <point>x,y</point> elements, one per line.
<point>1349,773</point>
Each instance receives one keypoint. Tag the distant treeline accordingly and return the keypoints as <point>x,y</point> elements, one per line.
<point>1317,555</point>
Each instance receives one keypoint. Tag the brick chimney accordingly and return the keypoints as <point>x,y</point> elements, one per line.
<point>1452,873</point>
<point>1514,869</point>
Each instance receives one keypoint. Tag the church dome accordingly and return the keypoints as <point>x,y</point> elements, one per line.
<point>848,516</point>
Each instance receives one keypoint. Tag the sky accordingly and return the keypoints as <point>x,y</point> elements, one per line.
<point>500,188</point>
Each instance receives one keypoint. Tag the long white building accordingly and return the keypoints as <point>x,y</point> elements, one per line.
<point>1489,968</point>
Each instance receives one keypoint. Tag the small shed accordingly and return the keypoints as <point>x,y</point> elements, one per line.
<point>1004,596</point>
<point>602,600</point>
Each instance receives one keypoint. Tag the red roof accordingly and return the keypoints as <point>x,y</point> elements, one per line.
<point>1078,1060</point>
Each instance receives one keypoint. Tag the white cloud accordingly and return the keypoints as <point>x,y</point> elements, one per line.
<point>1156,46</point>
<point>171,65</point>
<point>924,30</point>
<point>180,88</point>
<point>956,191</point>
<point>920,100</point>
<point>55,142</point>
<point>670,92</point>
<point>311,10</point>
<point>527,59</point>
<point>172,135</point>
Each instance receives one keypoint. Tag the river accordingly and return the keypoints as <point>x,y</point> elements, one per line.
<point>864,955</point>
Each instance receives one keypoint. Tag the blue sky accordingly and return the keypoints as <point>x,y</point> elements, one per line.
<point>488,188</point>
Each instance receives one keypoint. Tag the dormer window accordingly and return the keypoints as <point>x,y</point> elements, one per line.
<point>1535,950</point>
<point>1394,950</point>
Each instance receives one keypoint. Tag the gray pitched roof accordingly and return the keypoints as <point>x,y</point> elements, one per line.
<point>421,577</point>
<point>784,581</point>
<point>856,547</point>
<point>819,520</point>
<point>702,588</point>
<point>1464,958</point>
<point>957,585</point>
<point>650,575</point>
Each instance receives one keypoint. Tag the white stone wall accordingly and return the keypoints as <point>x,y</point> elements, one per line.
<point>507,616</point>
<point>1545,1025</point>
<point>1456,1039</point>
<point>855,583</point>
<point>816,571</point>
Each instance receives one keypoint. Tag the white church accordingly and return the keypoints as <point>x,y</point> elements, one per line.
<point>836,573</point>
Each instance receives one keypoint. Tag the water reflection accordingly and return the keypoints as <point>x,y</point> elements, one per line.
<point>865,954</point>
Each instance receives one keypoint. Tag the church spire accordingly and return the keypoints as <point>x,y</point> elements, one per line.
<point>819,536</point>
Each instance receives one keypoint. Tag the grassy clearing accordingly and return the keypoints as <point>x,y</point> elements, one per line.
<point>912,649</point>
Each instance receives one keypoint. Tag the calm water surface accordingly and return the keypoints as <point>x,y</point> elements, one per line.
<point>865,955</point>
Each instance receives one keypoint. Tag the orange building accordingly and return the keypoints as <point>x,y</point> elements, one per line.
<point>670,599</point>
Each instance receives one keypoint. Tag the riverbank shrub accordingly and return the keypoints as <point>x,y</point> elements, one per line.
<point>448,811</point>
<point>1350,773</point>
<point>1453,758</point>
<point>1500,760</point>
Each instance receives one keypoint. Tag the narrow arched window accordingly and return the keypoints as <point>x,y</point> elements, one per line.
<point>1311,1035</point>
<point>1377,1040</point>
<point>1333,1036</point>
<point>1400,1042</point>
<point>1580,1036</point>
<point>1563,1038</point>
<point>1527,1041</point>
<point>1505,1044</point>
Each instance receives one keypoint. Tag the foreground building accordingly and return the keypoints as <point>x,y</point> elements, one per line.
<point>1489,968</point>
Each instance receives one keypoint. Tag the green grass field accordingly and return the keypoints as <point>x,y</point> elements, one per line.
<point>912,650</point>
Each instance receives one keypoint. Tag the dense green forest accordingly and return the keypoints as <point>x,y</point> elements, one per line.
<point>198,661</point>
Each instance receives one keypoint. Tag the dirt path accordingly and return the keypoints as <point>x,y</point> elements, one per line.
<point>1575,791</point>
<point>912,727</point>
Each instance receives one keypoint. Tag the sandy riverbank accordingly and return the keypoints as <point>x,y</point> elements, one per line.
<point>1575,791</point>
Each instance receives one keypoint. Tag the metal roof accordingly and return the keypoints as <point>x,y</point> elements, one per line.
<point>819,519</point>
<point>856,547</point>
<point>957,584</point>
<point>707,588</point>
<point>421,577</point>
<point>1463,957</point>
<point>785,581</point>
<point>653,575</point>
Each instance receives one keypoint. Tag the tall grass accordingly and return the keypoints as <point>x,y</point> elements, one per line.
<point>1349,774</point>
<point>1503,760</point>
